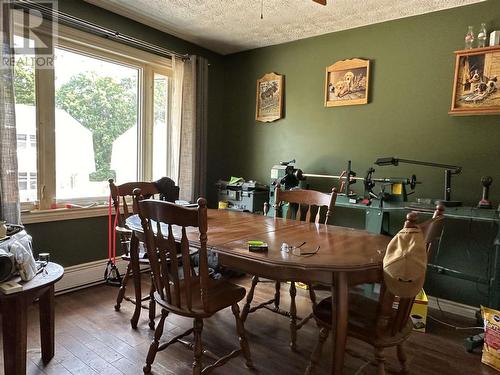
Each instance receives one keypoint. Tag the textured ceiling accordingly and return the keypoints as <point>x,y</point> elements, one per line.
<point>228,26</point>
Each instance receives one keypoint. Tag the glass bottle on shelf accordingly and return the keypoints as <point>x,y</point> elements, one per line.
<point>481,36</point>
<point>469,38</point>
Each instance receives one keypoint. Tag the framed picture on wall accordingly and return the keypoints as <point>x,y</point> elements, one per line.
<point>476,87</point>
<point>269,97</point>
<point>346,83</point>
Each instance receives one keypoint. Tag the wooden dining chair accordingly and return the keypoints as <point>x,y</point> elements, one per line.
<point>192,295</point>
<point>305,205</point>
<point>122,196</point>
<point>383,321</point>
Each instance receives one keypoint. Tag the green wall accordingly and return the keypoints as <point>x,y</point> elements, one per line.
<point>411,76</point>
<point>72,242</point>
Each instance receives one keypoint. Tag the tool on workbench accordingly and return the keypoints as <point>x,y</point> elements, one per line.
<point>397,191</point>
<point>486,181</point>
<point>345,181</point>
<point>240,195</point>
<point>393,189</point>
<point>287,177</point>
<point>450,170</point>
<point>347,178</point>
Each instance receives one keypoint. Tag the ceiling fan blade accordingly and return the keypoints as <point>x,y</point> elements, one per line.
<point>322,2</point>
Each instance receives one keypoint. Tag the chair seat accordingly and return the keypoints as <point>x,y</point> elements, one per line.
<point>362,322</point>
<point>221,294</point>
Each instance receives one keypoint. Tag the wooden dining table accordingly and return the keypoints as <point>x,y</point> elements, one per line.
<point>345,256</point>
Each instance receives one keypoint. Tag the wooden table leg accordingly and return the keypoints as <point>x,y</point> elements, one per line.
<point>293,317</point>
<point>340,305</point>
<point>14,322</point>
<point>46,306</point>
<point>134,261</point>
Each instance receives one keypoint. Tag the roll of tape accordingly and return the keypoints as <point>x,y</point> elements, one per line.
<point>6,266</point>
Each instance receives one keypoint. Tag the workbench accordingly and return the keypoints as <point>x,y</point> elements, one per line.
<point>378,220</point>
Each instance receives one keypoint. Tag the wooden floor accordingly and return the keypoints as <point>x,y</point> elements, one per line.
<point>92,338</point>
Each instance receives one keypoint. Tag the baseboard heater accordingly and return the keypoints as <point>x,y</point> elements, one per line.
<point>88,274</point>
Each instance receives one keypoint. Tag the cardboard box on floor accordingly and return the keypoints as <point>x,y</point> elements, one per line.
<point>419,309</point>
<point>418,313</point>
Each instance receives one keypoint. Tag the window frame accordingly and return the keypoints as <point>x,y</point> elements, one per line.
<point>97,47</point>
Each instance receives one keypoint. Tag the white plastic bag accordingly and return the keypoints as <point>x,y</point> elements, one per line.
<point>25,262</point>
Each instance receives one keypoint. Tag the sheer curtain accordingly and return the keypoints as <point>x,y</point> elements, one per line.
<point>9,191</point>
<point>189,126</point>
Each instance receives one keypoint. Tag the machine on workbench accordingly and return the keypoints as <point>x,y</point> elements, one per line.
<point>392,189</point>
<point>393,194</point>
<point>240,195</point>
<point>287,177</point>
<point>450,170</point>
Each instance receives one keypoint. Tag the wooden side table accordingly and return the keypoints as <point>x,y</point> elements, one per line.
<point>14,308</point>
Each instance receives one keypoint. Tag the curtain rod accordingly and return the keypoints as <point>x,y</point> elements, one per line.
<point>69,20</point>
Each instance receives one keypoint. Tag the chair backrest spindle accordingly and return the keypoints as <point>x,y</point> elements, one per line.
<point>169,243</point>
<point>306,202</point>
<point>119,194</point>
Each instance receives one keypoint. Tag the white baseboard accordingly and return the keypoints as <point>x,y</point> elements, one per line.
<point>85,275</point>
<point>453,307</point>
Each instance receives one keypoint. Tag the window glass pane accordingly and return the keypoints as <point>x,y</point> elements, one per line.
<point>23,180</point>
<point>32,181</point>
<point>32,140</point>
<point>21,141</point>
<point>24,90</point>
<point>96,124</point>
<point>160,126</point>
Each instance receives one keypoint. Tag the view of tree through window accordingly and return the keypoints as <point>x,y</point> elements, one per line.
<point>103,105</point>
<point>24,88</point>
<point>24,83</point>
<point>102,97</point>
<point>96,122</point>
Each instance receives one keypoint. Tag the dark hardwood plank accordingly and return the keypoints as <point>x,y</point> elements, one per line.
<point>14,330</point>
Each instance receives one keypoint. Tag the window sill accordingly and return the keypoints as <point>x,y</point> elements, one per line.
<point>60,214</point>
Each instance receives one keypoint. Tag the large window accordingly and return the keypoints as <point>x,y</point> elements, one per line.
<point>96,124</point>
<point>101,113</point>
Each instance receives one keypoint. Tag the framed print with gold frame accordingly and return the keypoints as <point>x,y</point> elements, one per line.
<point>476,87</point>
<point>346,83</point>
<point>269,98</point>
